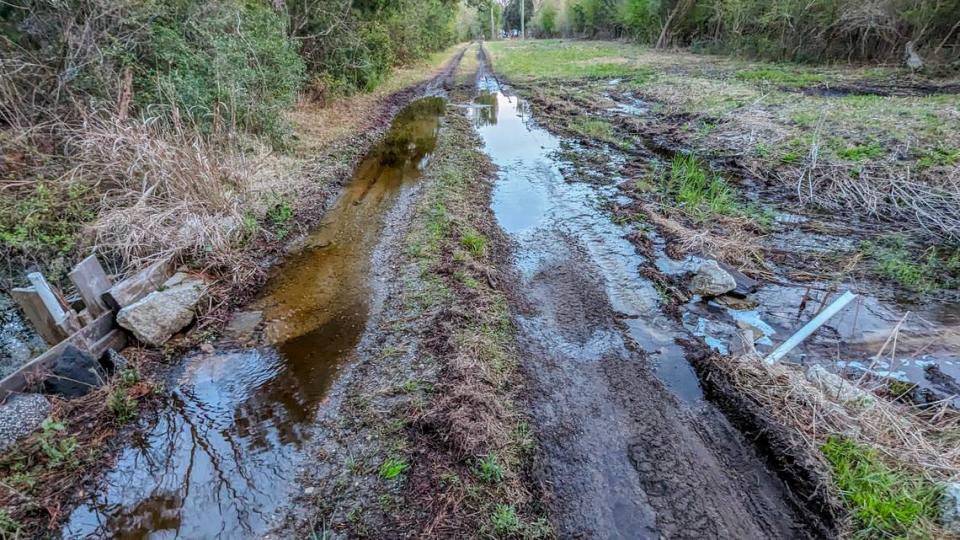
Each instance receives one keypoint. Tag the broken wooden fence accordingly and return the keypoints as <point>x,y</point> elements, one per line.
<point>93,329</point>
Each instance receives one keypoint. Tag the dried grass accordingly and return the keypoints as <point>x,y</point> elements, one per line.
<point>162,193</point>
<point>887,191</point>
<point>736,246</point>
<point>923,440</point>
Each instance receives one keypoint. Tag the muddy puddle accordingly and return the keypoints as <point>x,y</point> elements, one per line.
<point>220,460</point>
<point>631,449</point>
<point>550,217</point>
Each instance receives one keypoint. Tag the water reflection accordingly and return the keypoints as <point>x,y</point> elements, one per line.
<point>218,459</point>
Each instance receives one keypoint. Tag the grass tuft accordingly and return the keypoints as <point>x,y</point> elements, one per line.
<point>489,469</point>
<point>934,270</point>
<point>393,467</point>
<point>779,75</point>
<point>885,502</point>
<point>697,190</point>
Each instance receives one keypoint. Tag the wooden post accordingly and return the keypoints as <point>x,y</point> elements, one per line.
<point>92,282</point>
<point>35,308</point>
<point>139,285</point>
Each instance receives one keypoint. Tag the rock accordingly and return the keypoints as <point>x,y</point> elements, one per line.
<point>745,284</point>
<point>736,302</point>
<point>243,325</point>
<point>164,312</point>
<point>837,387</point>
<point>309,491</point>
<point>20,415</point>
<point>711,280</point>
<point>113,361</point>
<point>950,508</point>
<point>74,373</point>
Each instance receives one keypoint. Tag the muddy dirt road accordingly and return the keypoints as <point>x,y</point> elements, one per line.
<point>630,448</point>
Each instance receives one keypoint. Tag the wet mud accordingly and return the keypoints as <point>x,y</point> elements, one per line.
<point>630,447</point>
<point>222,458</point>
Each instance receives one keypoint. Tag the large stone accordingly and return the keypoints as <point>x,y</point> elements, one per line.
<point>20,415</point>
<point>73,374</point>
<point>711,280</point>
<point>163,313</point>
<point>950,508</point>
<point>839,388</point>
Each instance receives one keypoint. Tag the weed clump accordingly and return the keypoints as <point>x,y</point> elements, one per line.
<point>392,467</point>
<point>489,468</point>
<point>886,502</point>
<point>935,269</point>
<point>698,191</point>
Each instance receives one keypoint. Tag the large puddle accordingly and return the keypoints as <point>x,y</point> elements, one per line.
<point>221,458</point>
<point>549,217</point>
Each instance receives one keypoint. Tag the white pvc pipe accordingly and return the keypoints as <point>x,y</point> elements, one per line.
<point>810,327</point>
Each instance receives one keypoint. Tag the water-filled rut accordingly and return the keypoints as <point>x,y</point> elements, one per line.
<point>221,458</point>
<point>630,447</point>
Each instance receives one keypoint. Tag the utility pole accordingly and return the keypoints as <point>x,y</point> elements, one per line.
<point>493,35</point>
<point>523,5</point>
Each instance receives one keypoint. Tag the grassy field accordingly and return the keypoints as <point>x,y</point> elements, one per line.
<point>822,136</point>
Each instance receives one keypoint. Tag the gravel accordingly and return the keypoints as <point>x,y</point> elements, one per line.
<point>20,415</point>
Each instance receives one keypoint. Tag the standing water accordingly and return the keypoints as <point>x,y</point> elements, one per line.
<point>221,457</point>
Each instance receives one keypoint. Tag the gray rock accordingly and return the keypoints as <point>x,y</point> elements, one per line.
<point>164,312</point>
<point>20,415</point>
<point>950,508</point>
<point>114,361</point>
<point>73,374</point>
<point>711,280</point>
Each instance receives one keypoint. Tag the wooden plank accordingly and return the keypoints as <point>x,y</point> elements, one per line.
<point>139,285</point>
<point>115,339</point>
<point>91,281</point>
<point>52,301</point>
<point>36,311</point>
<point>91,338</point>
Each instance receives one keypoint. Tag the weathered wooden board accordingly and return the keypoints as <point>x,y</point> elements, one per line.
<point>92,282</point>
<point>33,306</point>
<point>139,285</point>
<point>91,338</point>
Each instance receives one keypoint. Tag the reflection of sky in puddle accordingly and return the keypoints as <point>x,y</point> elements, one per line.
<point>533,202</point>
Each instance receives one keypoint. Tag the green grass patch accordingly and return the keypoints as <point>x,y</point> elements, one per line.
<point>932,270</point>
<point>475,243</point>
<point>558,59</point>
<point>45,220</point>
<point>886,502</point>
<point>857,152</point>
<point>489,469</point>
<point>779,75</point>
<point>592,128</point>
<point>392,467</point>
<point>505,520</point>
<point>698,191</point>
<point>938,156</point>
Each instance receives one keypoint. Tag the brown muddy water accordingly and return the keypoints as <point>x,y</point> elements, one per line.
<point>220,460</point>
